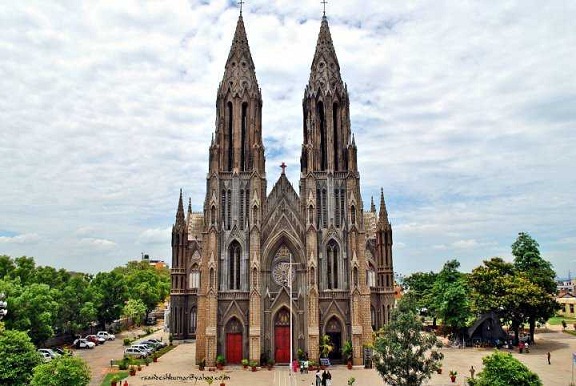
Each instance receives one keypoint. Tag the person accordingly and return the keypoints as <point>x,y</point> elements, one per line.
<point>318,378</point>
<point>324,378</point>
<point>328,378</point>
<point>472,372</point>
<point>305,366</point>
<point>527,347</point>
<point>548,355</point>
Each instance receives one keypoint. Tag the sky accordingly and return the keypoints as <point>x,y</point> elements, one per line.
<point>464,113</point>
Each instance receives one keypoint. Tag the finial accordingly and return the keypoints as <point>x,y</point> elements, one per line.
<point>283,166</point>
<point>241,2</point>
<point>324,2</point>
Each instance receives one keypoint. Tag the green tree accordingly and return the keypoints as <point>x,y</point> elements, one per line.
<point>404,355</point>
<point>6,266</point>
<point>135,310</point>
<point>77,309</point>
<point>449,296</point>
<point>110,292</point>
<point>502,369</point>
<point>18,357</point>
<point>147,283</point>
<point>534,268</point>
<point>62,371</point>
<point>418,287</point>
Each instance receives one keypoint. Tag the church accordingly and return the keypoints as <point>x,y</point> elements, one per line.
<point>263,276</point>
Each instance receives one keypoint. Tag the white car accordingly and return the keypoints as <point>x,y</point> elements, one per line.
<point>144,348</point>
<point>83,343</point>
<point>50,352</point>
<point>45,356</point>
<point>135,352</point>
<point>106,335</point>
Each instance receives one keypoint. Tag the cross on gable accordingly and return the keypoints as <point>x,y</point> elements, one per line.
<point>241,2</point>
<point>283,166</point>
<point>324,2</point>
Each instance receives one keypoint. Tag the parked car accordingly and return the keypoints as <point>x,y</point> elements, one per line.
<point>106,335</point>
<point>83,343</point>
<point>143,347</point>
<point>45,356</point>
<point>153,345</point>
<point>151,321</point>
<point>135,352</point>
<point>158,342</point>
<point>62,351</point>
<point>53,354</point>
<point>96,339</point>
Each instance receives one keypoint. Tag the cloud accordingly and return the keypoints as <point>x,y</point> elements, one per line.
<point>461,112</point>
<point>27,238</point>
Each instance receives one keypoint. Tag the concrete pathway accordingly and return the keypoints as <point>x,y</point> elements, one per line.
<point>177,368</point>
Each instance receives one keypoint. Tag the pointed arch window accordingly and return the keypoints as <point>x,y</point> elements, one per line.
<point>241,209</point>
<point>244,145</point>
<point>332,252</point>
<point>229,209</point>
<point>193,319</point>
<point>353,214</point>
<point>323,139</point>
<point>324,209</point>
<point>234,252</point>
<point>230,138</point>
<point>336,137</point>
<point>194,281</point>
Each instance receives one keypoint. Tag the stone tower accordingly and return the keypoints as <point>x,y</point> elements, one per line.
<point>251,265</point>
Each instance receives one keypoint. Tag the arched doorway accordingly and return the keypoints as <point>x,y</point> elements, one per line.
<point>233,341</point>
<point>282,336</point>
<point>334,331</point>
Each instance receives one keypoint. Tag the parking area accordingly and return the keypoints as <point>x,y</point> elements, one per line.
<point>177,366</point>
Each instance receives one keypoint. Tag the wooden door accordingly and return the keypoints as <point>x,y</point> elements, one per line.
<point>282,344</point>
<point>233,347</point>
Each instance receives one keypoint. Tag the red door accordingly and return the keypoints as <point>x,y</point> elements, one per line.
<point>233,348</point>
<point>282,342</point>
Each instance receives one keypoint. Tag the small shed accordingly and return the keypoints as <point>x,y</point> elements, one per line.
<point>487,329</point>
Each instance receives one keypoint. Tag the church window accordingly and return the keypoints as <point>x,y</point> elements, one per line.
<point>332,264</point>
<point>223,207</point>
<point>243,165</point>
<point>229,209</point>
<point>311,214</point>
<point>241,208</point>
<point>370,277</point>
<point>335,139</point>
<point>230,138</point>
<point>255,214</point>
<point>312,276</point>
<point>254,278</point>
<point>342,202</point>
<point>353,214</point>
<point>193,319</point>
<point>323,139</point>
<point>212,277</point>
<point>195,277</point>
<point>318,208</point>
<point>234,266</point>
<point>355,274</point>
<point>337,207</point>
<point>247,204</point>
<point>324,209</point>
<point>373,318</point>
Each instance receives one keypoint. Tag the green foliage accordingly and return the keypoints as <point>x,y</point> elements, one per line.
<point>134,309</point>
<point>18,357</point>
<point>502,369</point>
<point>326,346</point>
<point>110,292</point>
<point>449,296</point>
<point>347,350</point>
<point>62,371</point>
<point>403,354</point>
<point>419,288</point>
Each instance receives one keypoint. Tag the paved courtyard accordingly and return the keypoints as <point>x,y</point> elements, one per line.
<point>180,363</point>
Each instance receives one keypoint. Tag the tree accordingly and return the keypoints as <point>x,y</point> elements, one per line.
<point>110,292</point>
<point>449,296</point>
<point>404,355</point>
<point>533,267</point>
<point>502,369</point>
<point>62,371</point>
<point>135,310</point>
<point>147,283</point>
<point>418,287</point>
<point>18,357</point>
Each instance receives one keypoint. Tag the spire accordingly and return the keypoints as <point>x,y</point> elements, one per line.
<point>189,205</point>
<point>372,206</point>
<point>383,216</point>
<point>325,68</point>
<point>239,71</point>
<point>180,221</point>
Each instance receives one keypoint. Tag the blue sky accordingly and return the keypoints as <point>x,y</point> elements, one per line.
<point>463,112</point>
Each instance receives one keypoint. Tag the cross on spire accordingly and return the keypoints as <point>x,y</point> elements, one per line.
<point>241,2</point>
<point>324,2</point>
<point>283,166</point>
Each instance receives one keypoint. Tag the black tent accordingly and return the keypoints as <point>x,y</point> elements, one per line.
<point>487,329</point>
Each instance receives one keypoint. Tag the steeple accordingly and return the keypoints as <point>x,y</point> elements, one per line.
<point>180,219</point>
<point>383,215</point>
<point>238,112</point>
<point>327,142</point>
<point>372,206</point>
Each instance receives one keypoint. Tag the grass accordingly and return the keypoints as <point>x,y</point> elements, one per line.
<point>108,377</point>
<point>557,320</point>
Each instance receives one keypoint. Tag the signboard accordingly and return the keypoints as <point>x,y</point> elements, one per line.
<point>324,362</point>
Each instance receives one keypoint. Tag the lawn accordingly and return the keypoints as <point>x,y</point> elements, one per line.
<point>557,320</point>
<point>108,377</point>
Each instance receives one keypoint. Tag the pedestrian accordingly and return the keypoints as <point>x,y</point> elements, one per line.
<point>324,378</point>
<point>318,378</point>
<point>548,355</point>
<point>472,372</point>
<point>527,347</point>
<point>328,379</point>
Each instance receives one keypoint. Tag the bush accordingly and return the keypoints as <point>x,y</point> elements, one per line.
<point>127,341</point>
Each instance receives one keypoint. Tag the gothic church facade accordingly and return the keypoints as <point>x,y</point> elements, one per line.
<point>237,266</point>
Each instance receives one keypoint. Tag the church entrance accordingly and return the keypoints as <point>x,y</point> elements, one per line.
<point>334,331</point>
<point>233,341</point>
<point>282,337</point>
